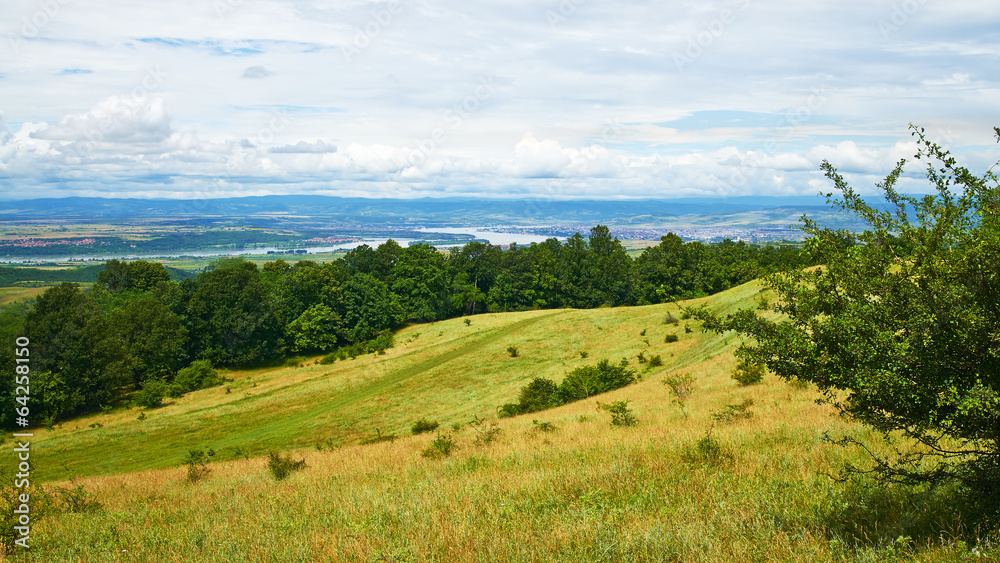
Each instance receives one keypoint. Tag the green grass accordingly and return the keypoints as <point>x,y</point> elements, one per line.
<point>678,486</point>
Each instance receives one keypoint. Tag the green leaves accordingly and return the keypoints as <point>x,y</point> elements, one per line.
<point>903,318</point>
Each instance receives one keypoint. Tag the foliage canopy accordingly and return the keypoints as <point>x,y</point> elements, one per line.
<point>900,329</point>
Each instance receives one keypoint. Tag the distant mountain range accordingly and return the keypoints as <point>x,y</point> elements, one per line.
<point>397,211</point>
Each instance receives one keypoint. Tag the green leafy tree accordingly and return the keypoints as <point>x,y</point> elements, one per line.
<point>139,275</point>
<point>369,307</point>
<point>73,339</point>
<point>421,282</point>
<point>317,328</point>
<point>900,331</point>
<point>231,314</point>
<point>153,337</point>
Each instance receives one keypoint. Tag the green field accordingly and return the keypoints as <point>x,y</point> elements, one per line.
<point>678,486</point>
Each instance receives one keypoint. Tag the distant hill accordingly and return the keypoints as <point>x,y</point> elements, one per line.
<point>397,211</point>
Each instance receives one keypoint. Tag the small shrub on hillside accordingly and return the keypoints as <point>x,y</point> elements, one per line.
<point>467,321</point>
<point>382,342</point>
<point>681,387</point>
<point>512,350</point>
<point>642,357</point>
<point>441,446</point>
<point>656,361</point>
<point>198,375</point>
<point>423,425</point>
<point>733,412</point>
<point>670,319</point>
<point>687,329</point>
<point>670,338</point>
<point>197,464</point>
<point>544,426</point>
<point>749,374</point>
<point>151,395</point>
<point>328,359</point>
<point>588,381</point>
<point>621,415</point>
<point>378,437</point>
<point>538,395</point>
<point>508,410</point>
<point>584,354</point>
<point>706,450</point>
<point>489,434</point>
<point>282,467</point>
<point>643,333</point>
<point>77,500</point>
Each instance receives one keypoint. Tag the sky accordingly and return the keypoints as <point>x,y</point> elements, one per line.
<point>535,98</point>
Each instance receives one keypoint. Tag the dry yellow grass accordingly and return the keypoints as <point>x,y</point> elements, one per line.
<point>587,491</point>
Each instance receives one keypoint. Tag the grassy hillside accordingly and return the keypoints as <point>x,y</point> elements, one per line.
<point>679,486</point>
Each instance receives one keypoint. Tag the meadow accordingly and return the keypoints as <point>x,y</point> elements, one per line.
<point>686,483</point>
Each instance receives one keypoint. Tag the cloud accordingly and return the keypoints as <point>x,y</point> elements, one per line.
<point>747,114</point>
<point>304,147</point>
<point>257,72</point>
<point>118,119</point>
<point>535,158</point>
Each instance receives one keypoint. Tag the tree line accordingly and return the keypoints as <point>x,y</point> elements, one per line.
<point>136,328</point>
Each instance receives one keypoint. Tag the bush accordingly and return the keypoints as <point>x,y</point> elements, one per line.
<point>489,434</point>
<point>198,375</point>
<point>642,357</point>
<point>670,320</point>
<point>749,374</point>
<point>707,450</point>
<point>584,354</point>
<point>282,467</point>
<point>733,412</point>
<point>544,426</point>
<point>442,446</point>
<point>328,359</point>
<point>670,338</point>
<point>538,395</point>
<point>423,425</point>
<point>151,395</point>
<point>588,381</point>
<point>508,410</point>
<point>197,464</point>
<point>621,415</point>
<point>656,361</point>
<point>467,321</point>
<point>512,350</point>
<point>681,387</point>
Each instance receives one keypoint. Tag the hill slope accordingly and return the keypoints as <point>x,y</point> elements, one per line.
<point>682,485</point>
